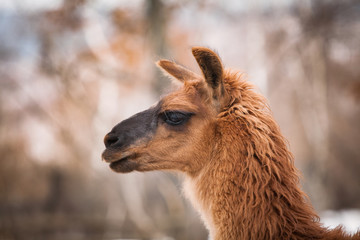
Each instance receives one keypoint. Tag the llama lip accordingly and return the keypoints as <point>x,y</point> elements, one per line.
<point>118,159</point>
<point>112,156</point>
<point>117,162</point>
<point>124,165</point>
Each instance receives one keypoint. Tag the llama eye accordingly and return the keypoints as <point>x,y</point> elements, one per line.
<point>175,117</point>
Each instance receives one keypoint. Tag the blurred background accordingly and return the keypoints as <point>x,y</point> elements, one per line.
<point>71,69</point>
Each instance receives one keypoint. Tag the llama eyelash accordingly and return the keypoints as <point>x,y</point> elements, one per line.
<point>175,118</point>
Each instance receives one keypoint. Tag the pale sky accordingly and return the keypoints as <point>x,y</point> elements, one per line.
<point>38,5</point>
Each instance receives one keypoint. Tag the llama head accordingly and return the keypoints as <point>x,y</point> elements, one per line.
<point>178,132</point>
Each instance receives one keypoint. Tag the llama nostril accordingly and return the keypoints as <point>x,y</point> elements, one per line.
<point>110,140</point>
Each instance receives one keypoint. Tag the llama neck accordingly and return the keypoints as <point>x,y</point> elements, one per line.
<point>252,196</point>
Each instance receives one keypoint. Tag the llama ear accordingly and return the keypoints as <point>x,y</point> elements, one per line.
<point>211,67</point>
<point>177,71</point>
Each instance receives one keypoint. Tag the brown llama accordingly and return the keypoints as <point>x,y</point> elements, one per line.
<point>239,172</point>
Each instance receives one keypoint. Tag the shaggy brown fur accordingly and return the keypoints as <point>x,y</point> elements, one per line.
<point>240,174</point>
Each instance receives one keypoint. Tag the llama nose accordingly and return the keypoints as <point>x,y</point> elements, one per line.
<point>110,140</point>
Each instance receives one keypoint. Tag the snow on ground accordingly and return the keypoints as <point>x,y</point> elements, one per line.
<point>350,219</point>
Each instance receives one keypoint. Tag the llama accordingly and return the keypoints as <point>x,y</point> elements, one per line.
<point>239,172</point>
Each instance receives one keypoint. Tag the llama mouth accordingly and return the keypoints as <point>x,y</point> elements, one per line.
<point>117,162</point>
<point>124,165</point>
<point>111,156</point>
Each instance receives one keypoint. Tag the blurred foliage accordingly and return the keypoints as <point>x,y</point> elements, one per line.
<point>68,74</point>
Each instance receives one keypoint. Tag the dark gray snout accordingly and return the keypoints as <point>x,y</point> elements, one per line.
<point>127,132</point>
